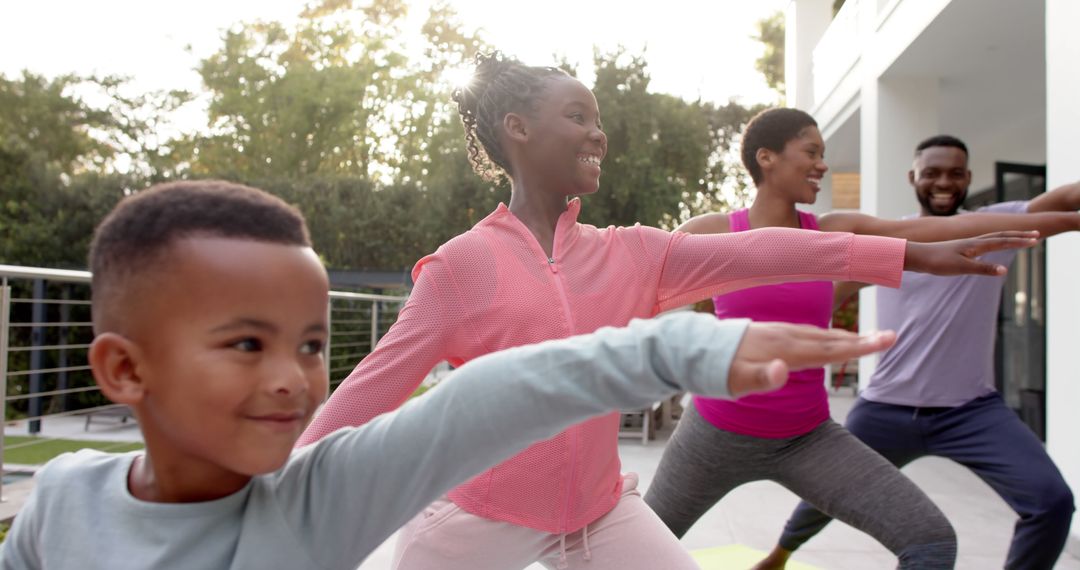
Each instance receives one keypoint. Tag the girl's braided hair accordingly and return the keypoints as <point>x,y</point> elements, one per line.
<point>500,85</point>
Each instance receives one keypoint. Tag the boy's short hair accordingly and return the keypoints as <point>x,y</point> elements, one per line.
<point>135,236</point>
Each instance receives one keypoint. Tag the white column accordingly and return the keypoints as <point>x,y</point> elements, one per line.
<point>1063,252</point>
<point>896,115</point>
<point>805,23</point>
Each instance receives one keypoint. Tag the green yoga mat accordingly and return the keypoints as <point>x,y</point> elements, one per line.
<point>737,557</point>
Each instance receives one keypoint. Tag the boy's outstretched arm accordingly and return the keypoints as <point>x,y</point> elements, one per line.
<point>349,492</point>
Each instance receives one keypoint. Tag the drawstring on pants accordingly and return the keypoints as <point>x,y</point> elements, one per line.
<point>563,562</point>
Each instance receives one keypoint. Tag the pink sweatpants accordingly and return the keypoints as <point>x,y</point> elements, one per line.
<point>629,537</point>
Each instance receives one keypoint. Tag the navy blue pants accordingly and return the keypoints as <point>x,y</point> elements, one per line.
<point>983,435</point>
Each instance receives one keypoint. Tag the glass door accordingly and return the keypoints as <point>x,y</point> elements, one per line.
<point>1020,355</point>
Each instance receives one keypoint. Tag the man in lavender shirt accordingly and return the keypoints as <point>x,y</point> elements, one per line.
<point>933,392</point>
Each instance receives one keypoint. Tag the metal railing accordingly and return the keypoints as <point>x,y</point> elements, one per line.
<point>45,331</point>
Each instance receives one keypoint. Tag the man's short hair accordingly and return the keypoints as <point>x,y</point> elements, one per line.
<point>941,140</point>
<point>134,237</point>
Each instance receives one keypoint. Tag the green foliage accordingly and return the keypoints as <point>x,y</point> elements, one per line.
<point>340,117</point>
<point>58,162</point>
<point>771,63</point>
<point>50,223</point>
<point>846,316</point>
<point>333,117</point>
<point>334,97</point>
<point>45,130</point>
<point>668,158</point>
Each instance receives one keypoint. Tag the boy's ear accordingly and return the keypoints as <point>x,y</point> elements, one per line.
<point>515,127</point>
<point>114,362</point>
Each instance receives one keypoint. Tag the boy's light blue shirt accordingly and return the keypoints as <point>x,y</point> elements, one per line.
<point>337,500</point>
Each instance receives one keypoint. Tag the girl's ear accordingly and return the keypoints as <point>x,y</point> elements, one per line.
<point>114,361</point>
<point>515,127</point>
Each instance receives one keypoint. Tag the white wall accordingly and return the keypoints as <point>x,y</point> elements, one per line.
<point>806,21</point>
<point>1063,255</point>
<point>896,114</point>
<point>1024,143</point>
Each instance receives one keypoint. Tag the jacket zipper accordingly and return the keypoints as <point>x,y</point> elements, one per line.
<point>572,436</point>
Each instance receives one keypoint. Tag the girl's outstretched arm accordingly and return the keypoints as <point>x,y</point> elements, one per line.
<point>422,336</point>
<point>694,267</point>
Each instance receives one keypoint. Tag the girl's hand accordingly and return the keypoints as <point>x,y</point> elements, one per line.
<point>769,350</point>
<point>957,257</point>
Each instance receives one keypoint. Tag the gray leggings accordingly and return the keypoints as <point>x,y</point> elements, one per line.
<point>827,467</point>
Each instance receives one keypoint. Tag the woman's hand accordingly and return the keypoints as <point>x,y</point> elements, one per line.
<point>769,350</point>
<point>957,257</point>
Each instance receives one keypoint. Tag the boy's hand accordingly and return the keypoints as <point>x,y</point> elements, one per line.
<point>769,350</point>
<point>957,257</point>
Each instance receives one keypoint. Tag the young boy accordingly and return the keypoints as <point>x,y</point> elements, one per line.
<point>210,309</point>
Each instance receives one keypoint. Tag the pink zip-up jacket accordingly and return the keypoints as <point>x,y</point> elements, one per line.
<point>493,288</point>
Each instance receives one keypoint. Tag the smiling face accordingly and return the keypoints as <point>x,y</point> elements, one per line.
<point>941,178</point>
<point>565,140</point>
<point>230,354</point>
<point>796,171</point>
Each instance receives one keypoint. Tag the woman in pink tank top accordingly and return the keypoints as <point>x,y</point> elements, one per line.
<point>787,435</point>
<point>530,272</point>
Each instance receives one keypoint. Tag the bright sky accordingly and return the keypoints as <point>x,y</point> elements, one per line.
<point>694,48</point>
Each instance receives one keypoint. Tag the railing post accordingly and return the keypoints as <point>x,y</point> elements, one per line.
<point>5,316</point>
<point>329,336</point>
<point>374,324</point>
<point>37,339</point>
<point>61,358</point>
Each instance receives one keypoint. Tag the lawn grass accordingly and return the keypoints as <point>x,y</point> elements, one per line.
<point>26,450</point>
<point>420,390</point>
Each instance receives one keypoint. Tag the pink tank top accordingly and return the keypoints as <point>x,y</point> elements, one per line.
<point>802,404</point>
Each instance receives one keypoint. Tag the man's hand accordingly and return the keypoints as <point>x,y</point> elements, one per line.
<point>957,257</point>
<point>769,350</point>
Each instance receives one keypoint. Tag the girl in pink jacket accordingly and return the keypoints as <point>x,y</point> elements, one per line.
<point>530,272</point>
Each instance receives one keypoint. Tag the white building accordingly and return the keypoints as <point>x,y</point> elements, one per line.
<point>1004,76</point>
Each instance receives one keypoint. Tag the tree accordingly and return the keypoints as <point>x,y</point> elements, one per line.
<point>340,117</point>
<point>668,158</point>
<point>334,117</point>
<point>59,159</point>
<point>336,96</point>
<point>771,63</point>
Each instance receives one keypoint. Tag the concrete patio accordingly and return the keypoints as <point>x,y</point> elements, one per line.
<point>751,516</point>
<point>754,514</point>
